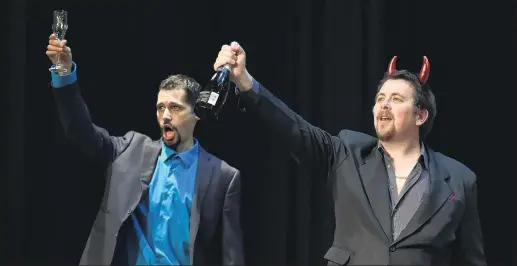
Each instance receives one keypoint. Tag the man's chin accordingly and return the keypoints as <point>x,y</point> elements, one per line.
<point>170,142</point>
<point>384,136</point>
<point>171,139</point>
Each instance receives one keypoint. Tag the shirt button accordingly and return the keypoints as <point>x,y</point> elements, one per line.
<point>392,249</point>
<point>391,187</point>
<point>389,166</point>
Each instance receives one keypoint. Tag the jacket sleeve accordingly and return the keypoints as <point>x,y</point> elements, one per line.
<point>307,143</point>
<point>233,250</point>
<point>95,142</point>
<point>469,247</point>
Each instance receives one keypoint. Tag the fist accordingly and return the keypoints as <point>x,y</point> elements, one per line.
<point>235,56</point>
<point>55,48</point>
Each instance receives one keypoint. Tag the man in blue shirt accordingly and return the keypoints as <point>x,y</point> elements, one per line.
<point>166,202</point>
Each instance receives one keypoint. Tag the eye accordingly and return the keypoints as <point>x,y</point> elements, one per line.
<point>380,99</point>
<point>397,99</point>
<point>176,108</point>
<point>160,108</point>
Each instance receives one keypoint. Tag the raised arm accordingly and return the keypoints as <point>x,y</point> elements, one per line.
<point>307,143</point>
<point>75,117</point>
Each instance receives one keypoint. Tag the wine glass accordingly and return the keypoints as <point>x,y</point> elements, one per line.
<point>59,28</point>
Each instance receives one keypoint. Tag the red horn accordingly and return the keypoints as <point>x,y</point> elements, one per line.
<point>424,72</point>
<point>392,66</point>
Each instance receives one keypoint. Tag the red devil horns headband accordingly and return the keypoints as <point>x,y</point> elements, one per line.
<point>422,76</point>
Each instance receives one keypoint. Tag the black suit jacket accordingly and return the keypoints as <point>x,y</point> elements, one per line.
<point>445,229</point>
<point>215,229</point>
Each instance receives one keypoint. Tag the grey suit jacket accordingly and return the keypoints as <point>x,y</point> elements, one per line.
<point>445,230</point>
<point>215,230</point>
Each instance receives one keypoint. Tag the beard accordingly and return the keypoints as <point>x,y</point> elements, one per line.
<point>385,130</point>
<point>170,136</point>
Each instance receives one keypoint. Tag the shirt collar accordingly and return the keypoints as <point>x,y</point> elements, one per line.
<point>188,157</point>
<point>423,158</point>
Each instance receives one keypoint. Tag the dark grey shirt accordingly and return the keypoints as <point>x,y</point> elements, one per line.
<point>405,205</point>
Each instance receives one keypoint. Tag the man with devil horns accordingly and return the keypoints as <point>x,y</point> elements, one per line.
<point>397,202</point>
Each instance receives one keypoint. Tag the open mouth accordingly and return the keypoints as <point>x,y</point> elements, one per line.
<point>385,118</point>
<point>168,132</point>
<point>167,128</point>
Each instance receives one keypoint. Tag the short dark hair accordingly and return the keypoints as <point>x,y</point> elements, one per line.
<point>424,97</point>
<point>184,82</point>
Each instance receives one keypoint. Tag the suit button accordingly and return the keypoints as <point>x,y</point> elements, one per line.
<point>392,249</point>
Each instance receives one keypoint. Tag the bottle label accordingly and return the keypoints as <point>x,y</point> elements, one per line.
<point>213,98</point>
<point>203,96</point>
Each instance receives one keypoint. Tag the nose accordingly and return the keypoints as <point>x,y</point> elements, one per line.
<point>386,104</point>
<point>166,114</point>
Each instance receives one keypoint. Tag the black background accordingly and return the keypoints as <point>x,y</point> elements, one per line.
<point>323,58</point>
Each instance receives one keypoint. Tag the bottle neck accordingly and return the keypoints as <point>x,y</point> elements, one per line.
<point>228,67</point>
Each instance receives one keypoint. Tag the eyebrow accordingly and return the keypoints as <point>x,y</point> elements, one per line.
<point>394,94</point>
<point>174,103</point>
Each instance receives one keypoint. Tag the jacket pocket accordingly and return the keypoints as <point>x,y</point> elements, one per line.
<point>338,255</point>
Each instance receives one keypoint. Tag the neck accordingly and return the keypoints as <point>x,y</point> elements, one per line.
<point>402,149</point>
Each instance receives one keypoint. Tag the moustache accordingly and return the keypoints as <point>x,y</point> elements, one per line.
<point>385,114</point>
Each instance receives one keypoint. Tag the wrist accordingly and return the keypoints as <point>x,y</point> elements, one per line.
<point>64,73</point>
<point>68,70</point>
<point>246,82</point>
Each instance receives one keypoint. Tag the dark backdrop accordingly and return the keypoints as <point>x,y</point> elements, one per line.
<point>323,58</point>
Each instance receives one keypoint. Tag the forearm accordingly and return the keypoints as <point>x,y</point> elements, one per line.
<point>75,117</point>
<point>306,142</point>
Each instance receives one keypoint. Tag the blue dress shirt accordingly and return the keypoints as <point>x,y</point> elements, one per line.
<point>162,220</point>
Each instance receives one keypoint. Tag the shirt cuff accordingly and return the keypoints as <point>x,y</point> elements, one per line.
<point>59,81</point>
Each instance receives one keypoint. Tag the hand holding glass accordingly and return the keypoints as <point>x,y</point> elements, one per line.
<point>59,28</point>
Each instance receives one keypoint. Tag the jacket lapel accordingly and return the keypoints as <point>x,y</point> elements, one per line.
<point>203,178</point>
<point>148,162</point>
<point>375,182</point>
<point>439,192</point>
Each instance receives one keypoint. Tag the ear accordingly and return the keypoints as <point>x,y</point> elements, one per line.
<point>195,116</point>
<point>421,116</point>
